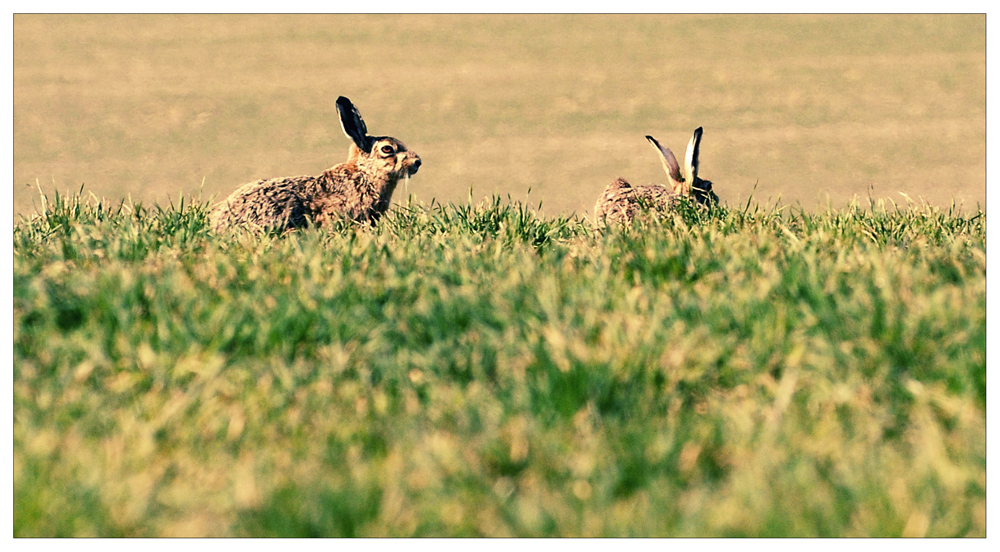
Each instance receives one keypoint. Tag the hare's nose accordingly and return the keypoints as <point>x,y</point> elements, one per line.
<point>412,170</point>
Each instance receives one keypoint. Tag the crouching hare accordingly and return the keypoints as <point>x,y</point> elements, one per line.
<point>358,189</point>
<point>621,201</point>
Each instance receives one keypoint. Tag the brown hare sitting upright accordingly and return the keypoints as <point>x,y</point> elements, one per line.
<point>358,189</point>
<point>621,201</point>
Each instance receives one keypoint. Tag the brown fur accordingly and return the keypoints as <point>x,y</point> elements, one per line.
<point>621,202</point>
<point>358,189</point>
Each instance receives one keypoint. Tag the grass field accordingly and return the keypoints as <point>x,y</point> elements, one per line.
<point>483,367</point>
<point>477,370</point>
<point>804,107</point>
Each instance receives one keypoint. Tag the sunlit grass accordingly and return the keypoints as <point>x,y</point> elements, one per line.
<point>476,369</point>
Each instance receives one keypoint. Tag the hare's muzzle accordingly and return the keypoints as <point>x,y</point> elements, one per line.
<point>414,165</point>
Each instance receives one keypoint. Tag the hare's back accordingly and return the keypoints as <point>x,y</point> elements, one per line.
<point>617,203</point>
<point>274,203</point>
<point>655,196</point>
<point>620,202</point>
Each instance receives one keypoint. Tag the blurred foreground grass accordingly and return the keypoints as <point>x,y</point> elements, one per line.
<point>807,107</point>
<point>478,370</point>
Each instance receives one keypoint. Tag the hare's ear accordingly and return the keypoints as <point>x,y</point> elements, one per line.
<point>691,161</point>
<point>670,165</point>
<point>353,125</point>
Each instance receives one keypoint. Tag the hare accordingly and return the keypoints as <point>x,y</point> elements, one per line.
<point>621,201</point>
<point>358,189</point>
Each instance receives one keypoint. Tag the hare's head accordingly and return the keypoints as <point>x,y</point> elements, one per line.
<point>687,184</point>
<point>381,155</point>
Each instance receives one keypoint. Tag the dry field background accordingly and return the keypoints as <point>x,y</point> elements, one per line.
<point>808,108</point>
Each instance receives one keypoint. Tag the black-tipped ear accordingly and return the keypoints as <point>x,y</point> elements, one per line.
<point>691,162</point>
<point>353,125</point>
<point>670,165</point>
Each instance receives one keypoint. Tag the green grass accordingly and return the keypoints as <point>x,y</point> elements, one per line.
<point>477,369</point>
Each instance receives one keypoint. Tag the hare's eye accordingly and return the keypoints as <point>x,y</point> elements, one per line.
<point>387,150</point>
